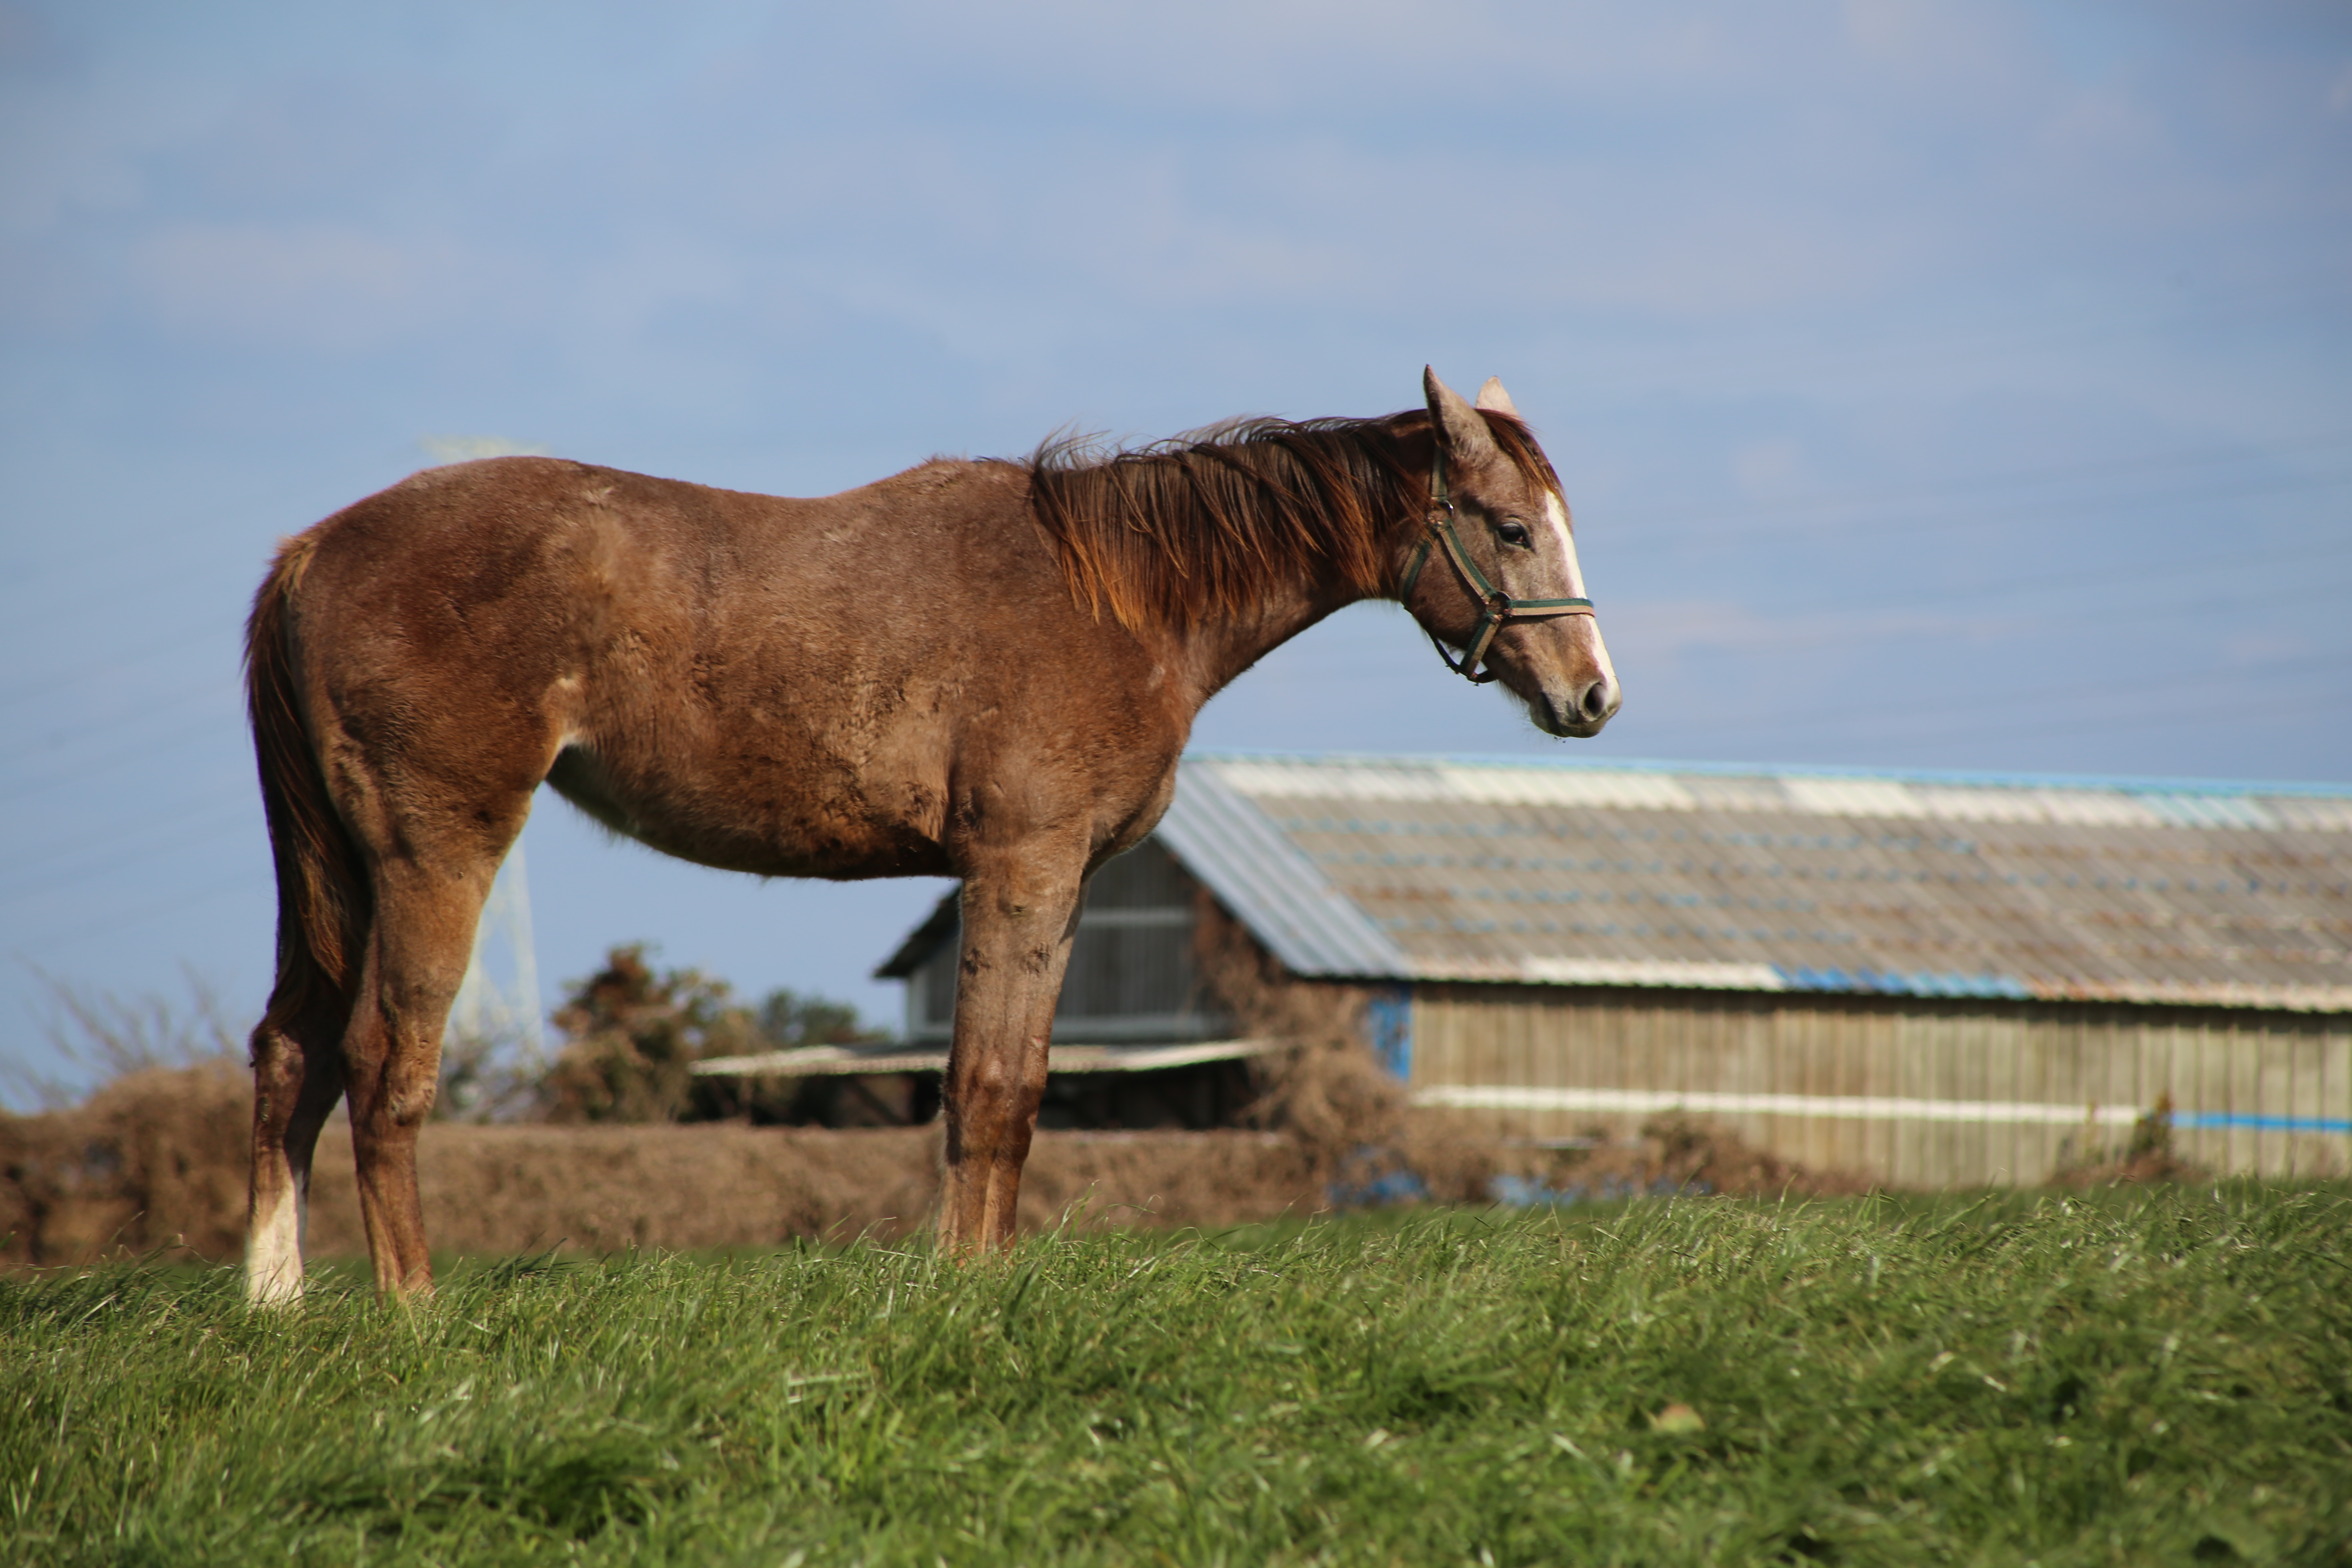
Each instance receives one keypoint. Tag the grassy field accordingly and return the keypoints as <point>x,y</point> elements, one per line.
<point>2127,1377</point>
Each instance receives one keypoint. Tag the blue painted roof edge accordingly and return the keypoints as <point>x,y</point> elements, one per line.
<point>1271,886</point>
<point>2227,787</point>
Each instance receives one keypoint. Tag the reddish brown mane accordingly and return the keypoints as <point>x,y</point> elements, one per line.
<point>1199,525</point>
<point>1202,524</point>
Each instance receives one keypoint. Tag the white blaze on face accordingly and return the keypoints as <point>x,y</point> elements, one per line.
<point>1555,516</point>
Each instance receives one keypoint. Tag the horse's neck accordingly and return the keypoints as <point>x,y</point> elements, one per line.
<point>1217,652</point>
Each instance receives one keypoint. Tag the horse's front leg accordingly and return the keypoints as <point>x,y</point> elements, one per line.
<point>1020,912</point>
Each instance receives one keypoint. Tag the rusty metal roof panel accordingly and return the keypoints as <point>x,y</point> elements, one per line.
<point>1780,880</point>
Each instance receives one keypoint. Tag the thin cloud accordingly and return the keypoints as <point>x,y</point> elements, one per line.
<point>319,285</point>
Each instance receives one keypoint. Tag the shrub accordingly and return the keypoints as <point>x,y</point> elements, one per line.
<point>631,1035</point>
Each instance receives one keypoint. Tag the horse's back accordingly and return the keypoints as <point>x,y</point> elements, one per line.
<point>471,527</point>
<point>751,681</point>
<point>473,533</point>
<point>514,566</point>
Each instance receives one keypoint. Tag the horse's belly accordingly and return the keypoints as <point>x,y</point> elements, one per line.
<point>758,828</point>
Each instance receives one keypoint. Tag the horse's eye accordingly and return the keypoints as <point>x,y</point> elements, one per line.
<point>1513,534</point>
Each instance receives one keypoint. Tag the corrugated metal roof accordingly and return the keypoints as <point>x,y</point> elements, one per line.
<point>1270,883</point>
<point>1758,878</point>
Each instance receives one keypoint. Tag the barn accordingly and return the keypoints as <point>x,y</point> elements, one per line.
<point>1926,979</point>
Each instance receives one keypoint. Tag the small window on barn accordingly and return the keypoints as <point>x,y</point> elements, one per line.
<point>935,982</point>
<point>1132,977</point>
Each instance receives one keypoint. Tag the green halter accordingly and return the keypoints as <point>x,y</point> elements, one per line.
<point>1496,608</point>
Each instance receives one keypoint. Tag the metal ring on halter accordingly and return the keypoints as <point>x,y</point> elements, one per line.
<point>1497,609</point>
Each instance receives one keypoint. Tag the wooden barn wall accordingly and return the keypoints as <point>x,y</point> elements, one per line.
<point>2211,1061</point>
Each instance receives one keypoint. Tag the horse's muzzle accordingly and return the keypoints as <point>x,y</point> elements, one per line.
<point>1584,712</point>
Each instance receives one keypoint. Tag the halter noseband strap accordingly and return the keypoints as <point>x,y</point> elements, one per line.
<point>1496,608</point>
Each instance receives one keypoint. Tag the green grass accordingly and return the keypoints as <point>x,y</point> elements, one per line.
<point>2127,1378</point>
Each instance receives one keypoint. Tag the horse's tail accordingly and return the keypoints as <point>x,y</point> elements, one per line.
<point>323,901</point>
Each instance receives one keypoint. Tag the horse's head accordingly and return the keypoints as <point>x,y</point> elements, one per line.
<point>1494,572</point>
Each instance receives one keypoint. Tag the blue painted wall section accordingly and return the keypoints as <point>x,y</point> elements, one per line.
<point>1388,1028</point>
<point>2245,1119</point>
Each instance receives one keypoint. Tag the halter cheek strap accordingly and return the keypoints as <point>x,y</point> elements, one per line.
<point>1496,608</point>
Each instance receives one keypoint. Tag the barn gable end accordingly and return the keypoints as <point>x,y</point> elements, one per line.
<point>1133,977</point>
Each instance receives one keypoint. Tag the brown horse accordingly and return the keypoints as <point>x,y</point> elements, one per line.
<point>982,670</point>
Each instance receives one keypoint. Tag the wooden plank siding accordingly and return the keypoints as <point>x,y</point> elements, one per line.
<point>2101,1058</point>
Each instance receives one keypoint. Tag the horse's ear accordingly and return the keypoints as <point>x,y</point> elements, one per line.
<point>1491,395</point>
<point>1463,434</point>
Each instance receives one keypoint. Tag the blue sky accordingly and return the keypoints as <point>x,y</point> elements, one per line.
<point>1950,385</point>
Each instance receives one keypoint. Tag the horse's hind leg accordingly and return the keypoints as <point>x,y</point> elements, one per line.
<point>414,961</point>
<point>297,1077</point>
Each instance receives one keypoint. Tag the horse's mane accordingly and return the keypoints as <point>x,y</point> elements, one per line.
<point>1200,525</point>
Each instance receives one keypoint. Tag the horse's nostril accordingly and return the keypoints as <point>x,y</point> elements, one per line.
<point>1599,700</point>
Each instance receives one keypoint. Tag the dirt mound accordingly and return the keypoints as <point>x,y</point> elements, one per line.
<point>599,1189</point>
<point>1205,1179</point>
<point>158,1159</point>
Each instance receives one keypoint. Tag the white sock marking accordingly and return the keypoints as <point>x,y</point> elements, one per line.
<point>273,1253</point>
